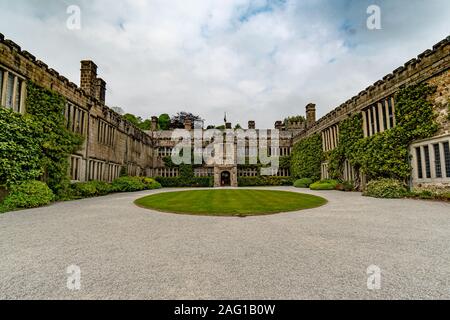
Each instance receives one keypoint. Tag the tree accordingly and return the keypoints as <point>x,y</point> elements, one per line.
<point>164,121</point>
<point>294,119</point>
<point>238,126</point>
<point>177,121</point>
<point>132,119</point>
<point>138,121</point>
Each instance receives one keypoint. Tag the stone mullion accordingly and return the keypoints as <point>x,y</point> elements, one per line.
<point>364,116</point>
<point>380,116</point>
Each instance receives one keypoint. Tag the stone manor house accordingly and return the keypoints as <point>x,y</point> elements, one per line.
<point>111,143</point>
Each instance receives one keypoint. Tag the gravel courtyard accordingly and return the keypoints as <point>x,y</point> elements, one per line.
<point>126,252</point>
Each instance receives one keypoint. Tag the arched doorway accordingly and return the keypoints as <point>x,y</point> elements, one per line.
<point>225,179</point>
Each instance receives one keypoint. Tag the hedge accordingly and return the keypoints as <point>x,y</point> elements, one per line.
<point>328,184</point>
<point>181,182</point>
<point>128,184</point>
<point>261,181</point>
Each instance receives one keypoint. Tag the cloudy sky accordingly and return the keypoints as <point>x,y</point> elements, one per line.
<point>257,60</point>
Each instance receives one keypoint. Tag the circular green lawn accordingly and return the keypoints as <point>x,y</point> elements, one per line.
<point>240,202</point>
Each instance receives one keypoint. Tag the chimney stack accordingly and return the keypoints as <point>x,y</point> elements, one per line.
<point>93,86</point>
<point>88,76</point>
<point>310,115</point>
<point>100,90</point>
<point>251,125</point>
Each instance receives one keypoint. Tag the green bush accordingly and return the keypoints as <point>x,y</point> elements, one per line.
<point>91,189</point>
<point>386,188</point>
<point>324,185</point>
<point>128,184</point>
<point>28,194</point>
<point>439,194</point>
<point>303,183</point>
<point>151,184</point>
<point>84,190</point>
<point>180,182</point>
<point>261,181</point>
<point>103,188</point>
<point>345,186</point>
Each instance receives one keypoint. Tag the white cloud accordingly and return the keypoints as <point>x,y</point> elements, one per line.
<point>257,60</point>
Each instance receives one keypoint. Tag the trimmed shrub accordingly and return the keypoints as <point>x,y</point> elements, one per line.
<point>438,194</point>
<point>84,190</point>
<point>180,182</point>
<point>202,182</point>
<point>261,181</point>
<point>386,188</point>
<point>128,184</point>
<point>91,189</point>
<point>303,183</point>
<point>324,185</point>
<point>151,184</point>
<point>103,188</point>
<point>345,186</point>
<point>28,194</point>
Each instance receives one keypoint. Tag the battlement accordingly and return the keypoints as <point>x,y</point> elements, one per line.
<point>427,64</point>
<point>28,66</point>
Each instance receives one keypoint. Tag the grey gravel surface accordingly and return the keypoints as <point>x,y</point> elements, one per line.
<point>126,252</point>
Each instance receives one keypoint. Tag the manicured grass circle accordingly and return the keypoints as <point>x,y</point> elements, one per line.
<point>239,202</point>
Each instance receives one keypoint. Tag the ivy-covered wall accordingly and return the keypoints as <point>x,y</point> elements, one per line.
<point>20,151</point>
<point>37,145</point>
<point>350,133</point>
<point>307,157</point>
<point>386,155</point>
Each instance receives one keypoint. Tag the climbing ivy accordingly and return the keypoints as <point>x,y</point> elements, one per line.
<point>19,149</point>
<point>307,157</point>
<point>56,141</point>
<point>386,155</point>
<point>350,133</point>
<point>38,144</point>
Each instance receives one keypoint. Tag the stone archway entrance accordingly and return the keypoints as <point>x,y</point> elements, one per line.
<point>225,176</point>
<point>225,179</point>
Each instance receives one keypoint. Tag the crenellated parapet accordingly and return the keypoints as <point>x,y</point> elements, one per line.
<point>427,65</point>
<point>29,67</point>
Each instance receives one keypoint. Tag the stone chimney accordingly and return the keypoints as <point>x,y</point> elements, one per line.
<point>154,123</point>
<point>279,125</point>
<point>188,124</point>
<point>88,77</point>
<point>310,115</point>
<point>100,90</point>
<point>251,125</point>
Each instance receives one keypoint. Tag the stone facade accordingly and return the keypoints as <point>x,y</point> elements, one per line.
<point>110,142</point>
<point>377,105</point>
<point>113,144</point>
<point>163,146</point>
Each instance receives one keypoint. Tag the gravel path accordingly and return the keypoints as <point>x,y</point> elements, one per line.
<point>128,252</point>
